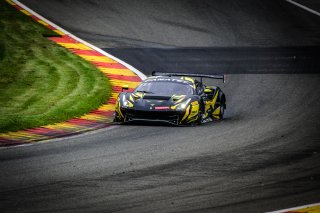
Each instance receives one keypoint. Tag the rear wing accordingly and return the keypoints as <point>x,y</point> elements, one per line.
<point>222,77</point>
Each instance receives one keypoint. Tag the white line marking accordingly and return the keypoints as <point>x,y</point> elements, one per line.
<point>304,7</point>
<point>140,74</point>
<point>296,208</point>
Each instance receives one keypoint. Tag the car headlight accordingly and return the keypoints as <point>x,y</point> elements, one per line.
<point>126,103</point>
<point>182,106</point>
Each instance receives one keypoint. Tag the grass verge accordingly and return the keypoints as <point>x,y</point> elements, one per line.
<point>40,82</point>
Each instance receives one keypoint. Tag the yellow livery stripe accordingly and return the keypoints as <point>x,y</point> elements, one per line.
<point>186,114</point>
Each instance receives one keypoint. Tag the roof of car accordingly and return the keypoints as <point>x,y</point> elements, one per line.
<point>185,80</point>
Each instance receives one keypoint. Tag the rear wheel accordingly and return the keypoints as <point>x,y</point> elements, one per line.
<point>221,114</point>
<point>222,106</point>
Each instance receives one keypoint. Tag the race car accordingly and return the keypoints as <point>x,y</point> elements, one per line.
<point>174,98</point>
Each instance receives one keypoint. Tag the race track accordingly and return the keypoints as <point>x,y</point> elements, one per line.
<point>264,156</point>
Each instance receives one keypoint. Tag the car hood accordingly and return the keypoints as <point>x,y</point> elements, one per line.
<point>143,101</point>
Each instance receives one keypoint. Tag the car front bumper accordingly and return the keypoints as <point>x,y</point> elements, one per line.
<point>166,116</point>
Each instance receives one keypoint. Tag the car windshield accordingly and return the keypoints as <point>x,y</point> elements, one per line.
<point>165,88</point>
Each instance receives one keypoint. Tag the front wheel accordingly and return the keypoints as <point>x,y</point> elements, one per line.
<point>200,118</point>
<point>117,118</point>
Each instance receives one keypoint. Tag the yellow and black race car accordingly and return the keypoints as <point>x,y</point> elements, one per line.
<point>174,98</point>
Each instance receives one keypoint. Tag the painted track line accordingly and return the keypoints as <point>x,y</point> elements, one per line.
<point>304,7</point>
<point>311,208</point>
<point>118,72</point>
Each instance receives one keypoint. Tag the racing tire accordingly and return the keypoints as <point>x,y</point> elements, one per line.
<point>221,114</point>
<point>116,118</point>
<point>222,100</point>
<point>199,120</point>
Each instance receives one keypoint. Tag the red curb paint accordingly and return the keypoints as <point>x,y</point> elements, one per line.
<point>102,112</point>
<point>125,78</point>
<point>87,52</point>
<point>35,17</point>
<point>81,125</point>
<point>68,38</point>
<point>112,101</point>
<point>51,27</point>
<point>64,39</point>
<point>46,131</point>
<point>82,122</point>
<point>116,88</point>
<point>114,65</point>
<point>17,7</point>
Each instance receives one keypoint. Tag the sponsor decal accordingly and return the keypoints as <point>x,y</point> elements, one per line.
<point>162,108</point>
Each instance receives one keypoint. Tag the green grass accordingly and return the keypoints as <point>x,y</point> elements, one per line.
<point>40,82</point>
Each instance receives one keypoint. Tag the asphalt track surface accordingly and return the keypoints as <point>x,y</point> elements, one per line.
<point>264,156</point>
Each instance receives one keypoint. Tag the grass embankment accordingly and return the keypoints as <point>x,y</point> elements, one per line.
<point>40,82</point>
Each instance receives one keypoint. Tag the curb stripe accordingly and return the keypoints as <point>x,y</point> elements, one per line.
<point>25,12</point>
<point>98,58</point>
<point>87,52</point>
<point>42,22</point>
<point>101,112</point>
<point>118,72</point>
<point>63,39</point>
<point>10,2</point>
<point>17,7</point>
<point>311,208</point>
<point>109,65</point>
<point>78,46</point>
<point>125,78</point>
<point>141,75</point>
<point>120,83</point>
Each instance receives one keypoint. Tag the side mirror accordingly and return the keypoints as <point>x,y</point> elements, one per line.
<point>207,91</point>
<point>125,87</point>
